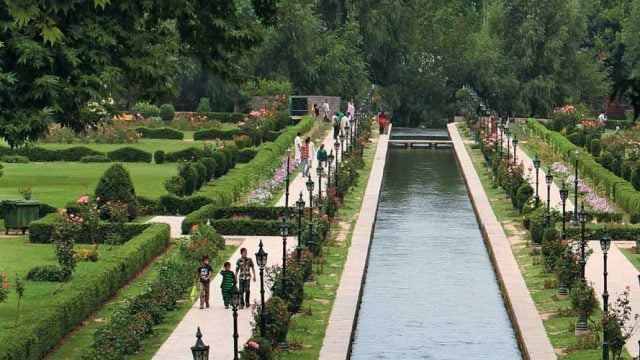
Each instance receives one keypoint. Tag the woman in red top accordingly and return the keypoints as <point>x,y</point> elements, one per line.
<point>382,120</point>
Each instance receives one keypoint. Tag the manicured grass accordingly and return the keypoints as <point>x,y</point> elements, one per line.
<point>559,327</point>
<point>634,258</point>
<point>309,326</point>
<point>57,184</point>
<point>77,344</point>
<point>17,256</point>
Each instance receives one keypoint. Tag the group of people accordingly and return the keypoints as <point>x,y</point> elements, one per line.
<point>244,274</point>
<point>305,151</point>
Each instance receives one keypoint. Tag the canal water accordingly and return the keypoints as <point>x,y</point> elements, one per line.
<point>430,290</point>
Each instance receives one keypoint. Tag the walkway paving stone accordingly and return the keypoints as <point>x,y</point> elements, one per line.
<point>524,315</point>
<point>216,323</point>
<point>337,340</point>
<point>175,222</point>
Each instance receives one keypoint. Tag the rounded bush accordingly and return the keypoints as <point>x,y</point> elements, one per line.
<point>129,154</point>
<point>576,138</point>
<point>524,194</point>
<point>228,156</point>
<point>596,147</point>
<point>175,185</point>
<point>167,112</point>
<point>190,176</point>
<point>221,164</point>
<point>634,218</point>
<point>146,109</point>
<point>210,164</point>
<point>201,170</point>
<point>158,156</point>
<point>116,185</point>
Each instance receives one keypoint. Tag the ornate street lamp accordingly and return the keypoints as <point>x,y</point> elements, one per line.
<point>235,299</point>
<point>330,158</point>
<point>574,218</point>
<point>300,208</point>
<point>501,128</point>
<point>286,191</point>
<point>549,179</point>
<point>347,129</point>
<point>508,134</point>
<point>605,243</point>
<point>309,184</point>
<point>284,232</point>
<point>200,351</point>
<point>515,145</point>
<point>336,146</point>
<point>564,194</point>
<point>581,326</point>
<point>261,260</point>
<point>319,172</point>
<point>342,146</point>
<point>536,164</point>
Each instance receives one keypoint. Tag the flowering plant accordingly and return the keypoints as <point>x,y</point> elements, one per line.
<point>566,116</point>
<point>87,255</point>
<point>618,323</point>
<point>25,192</point>
<point>4,288</point>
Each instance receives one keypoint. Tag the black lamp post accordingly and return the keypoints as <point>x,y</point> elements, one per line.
<point>286,191</point>
<point>300,208</point>
<point>605,243</point>
<point>284,232</point>
<point>330,158</point>
<point>549,179</point>
<point>309,184</point>
<point>501,128</point>
<point>574,218</point>
<point>508,134</point>
<point>261,260</point>
<point>319,172</point>
<point>536,164</point>
<point>235,299</point>
<point>336,146</point>
<point>581,326</point>
<point>200,351</point>
<point>514,142</point>
<point>347,129</point>
<point>342,146</point>
<point>564,194</point>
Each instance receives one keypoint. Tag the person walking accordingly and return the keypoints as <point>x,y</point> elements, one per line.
<point>228,280</point>
<point>321,155</point>
<point>204,275</point>
<point>244,267</point>
<point>297,144</point>
<point>312,151</point>
<point>335,121</point>
<point>326,110</point>
<point>382,121</point>
<point>343,123</point>
<point>304,158</point>
<point>351,109</point>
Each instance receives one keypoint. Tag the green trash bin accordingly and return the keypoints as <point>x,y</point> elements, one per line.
<point>19,213</point>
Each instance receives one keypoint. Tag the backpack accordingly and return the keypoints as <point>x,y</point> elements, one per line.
<point>335,121</point>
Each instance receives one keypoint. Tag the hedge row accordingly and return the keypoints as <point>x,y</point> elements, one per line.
<point>77,153</point>
<point>616,188</point>
<point>211,134</point>
<point>40,230</point>
<point>231,187</point>
<point>35,338</point>
<point>173,205</point>
<point>615,231</point>
<point>160,133</point>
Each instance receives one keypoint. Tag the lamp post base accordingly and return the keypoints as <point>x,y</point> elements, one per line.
<point>563,292</point>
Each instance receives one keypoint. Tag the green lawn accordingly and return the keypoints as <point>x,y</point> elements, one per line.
<point>74,346</point>
<point>558,326</point>
<point>59,183</point>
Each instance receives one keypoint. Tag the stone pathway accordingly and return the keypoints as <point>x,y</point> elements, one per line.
<point>298,183</point>
<point>621,274</point>
<point>523,313</point>
<point>175,222</point>
<point>337,340</point>
<point>216,323</point>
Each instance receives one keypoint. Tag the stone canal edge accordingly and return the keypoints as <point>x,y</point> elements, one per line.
<point>532,337</point>
<point>344,315</point>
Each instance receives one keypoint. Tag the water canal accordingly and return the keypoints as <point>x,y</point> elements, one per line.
<point>430,291</point>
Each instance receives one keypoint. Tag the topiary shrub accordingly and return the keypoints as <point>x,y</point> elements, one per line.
<point>277,319</point>
<point>596,147</point>
<point>146,109</point>
<point>160,133</point>
<point>15,159</point>
<point>551,249</point>
<point>116,185</point>
<point>537,220</point>
<point>129,154</point>
<point>525,191</point>
<point>257,349</point>
<point>158,156</point>
<point>228,158</point>
<point>634,218</point>
<point>210,164</point>
<point>175,185</point>
<point>187,172</point>
<point>242,141</point>
<point>203,105</point>
<point>188,154</point>
<point>294,294</point>
<point>50,273</point>
<point>95,159</point>
<point>247,154</point>
<point>221,164</point>
<point>201,171</point>
<point>576,138</point>
<point>167,112</point>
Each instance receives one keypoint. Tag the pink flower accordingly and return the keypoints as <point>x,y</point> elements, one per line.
<point>253,344</point>
<point>83,199</point>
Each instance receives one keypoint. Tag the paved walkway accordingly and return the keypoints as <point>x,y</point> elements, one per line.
<point>175,223</point>
<point>621,274</point>
<point>216,323</point>
<point>298,183</point>
<point>337,340</point>
<point>524,315</point>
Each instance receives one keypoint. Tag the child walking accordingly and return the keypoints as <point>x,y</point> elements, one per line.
<point>204,274</point>
<point>228,279</point>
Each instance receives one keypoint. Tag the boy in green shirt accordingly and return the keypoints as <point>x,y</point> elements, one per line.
<point>228,279</point>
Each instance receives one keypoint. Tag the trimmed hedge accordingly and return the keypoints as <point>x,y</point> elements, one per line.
<point>621,191</point>
<point>160,133</point>
<point>247,154</point>
<point>232,187</point>
<point>129,154</point>
<point>188,154</point>
<point>211,134</point>
<point>224,117</point>
<point>39,154</point>
<point>40,230</point>
<point>615,231</point>
<point>34,339</point>
<point>95,159</point>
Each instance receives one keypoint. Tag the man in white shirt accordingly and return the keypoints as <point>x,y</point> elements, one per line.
<point>297,144</point>
<point>351,109</point>
<point>326,111</point>
<point>344,122</point>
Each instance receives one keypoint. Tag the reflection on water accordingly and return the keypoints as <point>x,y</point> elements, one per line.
<point>430,291</point>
